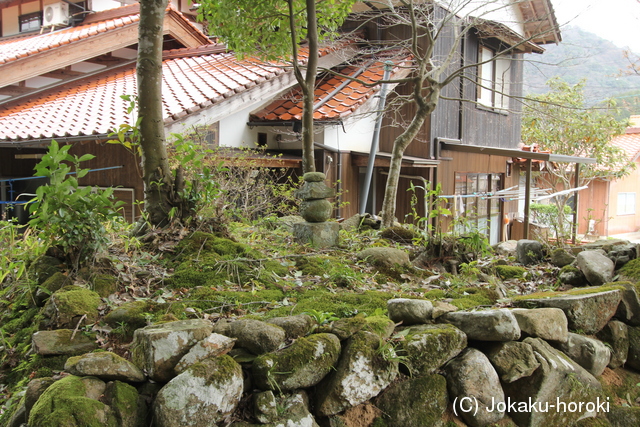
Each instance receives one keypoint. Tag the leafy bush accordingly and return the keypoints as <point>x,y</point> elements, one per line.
<point>232,183</point>
<point>68,216</point>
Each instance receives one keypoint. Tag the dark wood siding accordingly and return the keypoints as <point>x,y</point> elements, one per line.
<point>483,126</point>
<point>125,177</point>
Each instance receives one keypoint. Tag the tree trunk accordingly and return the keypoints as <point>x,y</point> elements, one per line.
<point>158,182</point>
<point>399,146</point>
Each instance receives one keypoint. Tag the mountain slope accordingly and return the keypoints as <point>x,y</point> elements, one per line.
<point>582,55</point>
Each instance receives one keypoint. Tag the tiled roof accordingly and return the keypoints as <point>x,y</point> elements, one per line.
<point>15,48</point>
<point>22,47</point>
<point>338,106</point>
<point>629,143</point>
<point>192,81</point>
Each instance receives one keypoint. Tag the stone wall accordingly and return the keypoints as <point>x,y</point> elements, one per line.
<point>406,369</point>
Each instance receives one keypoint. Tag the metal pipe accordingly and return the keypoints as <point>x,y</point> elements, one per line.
<point>366,185</point>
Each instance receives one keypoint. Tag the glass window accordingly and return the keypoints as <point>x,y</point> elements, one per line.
<point>493,79</point>
<point>626,203</point>
<point>30,22</point>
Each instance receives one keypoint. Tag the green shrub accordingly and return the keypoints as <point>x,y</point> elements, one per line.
<point>66,215</point>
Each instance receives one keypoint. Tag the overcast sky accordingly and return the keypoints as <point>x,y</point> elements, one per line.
<point>615,20</point>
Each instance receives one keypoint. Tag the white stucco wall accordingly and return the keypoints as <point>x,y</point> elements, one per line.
<point>503,11</point>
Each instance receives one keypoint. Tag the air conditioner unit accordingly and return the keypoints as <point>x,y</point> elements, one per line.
<point>55,14</point>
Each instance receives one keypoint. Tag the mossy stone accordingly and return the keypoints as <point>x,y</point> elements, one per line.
<point>428,347</point>
<point>416,402</point>
<point>123,400</point>
<point>131,313</point>
<point>65,404</point>
<point>631,270</point>
<point>67,305</point>
<point>345,328</point>
<point>506,272</point>
<point>621,416</point>
<point>301,365</point>
<point>56,282</point>
<point>380,325</point>
<point>43,267</point>
<point>398,234</point>
<point>314,177</point>
<point>105,284</point>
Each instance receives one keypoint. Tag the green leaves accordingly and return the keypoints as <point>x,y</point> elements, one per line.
<point>65,214</point>
<point>263,28</point>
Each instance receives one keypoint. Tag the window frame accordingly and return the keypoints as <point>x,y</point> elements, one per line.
<point>627,207</point>
<point>28,19</point>
<point>493,79</point>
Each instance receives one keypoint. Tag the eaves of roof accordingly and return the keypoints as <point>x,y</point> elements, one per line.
<point>337,95</point>
<point>629,143</point>
<point>25,57</point>
<point>193,79</point>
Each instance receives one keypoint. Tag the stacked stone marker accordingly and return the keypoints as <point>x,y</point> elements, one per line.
<point>316,210</point>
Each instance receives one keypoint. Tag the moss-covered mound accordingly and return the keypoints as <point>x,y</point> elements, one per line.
<point>66,403</point>
<point>204,259</point>
<point>631,270</point>
<point>506,272</point>
<point>465,298</point>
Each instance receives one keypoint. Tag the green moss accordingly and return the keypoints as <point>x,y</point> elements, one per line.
<point>470,297</point>
<point>222,262</point>
<point>631,269</point>
<point>55,282</point>
<point>273,371</point>
<point>398,234</point>
<point>132,314</point>
<point>510,271</point>
<point>105,284</point>
<point>206,298</point>
<point>435,294</point>
<point>569,269</point>
<point>428,347</point>
<point>123,399</point>
<point>593,422</point>
<point>416,402</point>
<point>73,301</point>
<point>575,291</point>
<point>624,416</point>
<point>342,304</point>
<point>216,370</point>
<point>380,325</point>
<point>64,404</point>
<point>200,242</point>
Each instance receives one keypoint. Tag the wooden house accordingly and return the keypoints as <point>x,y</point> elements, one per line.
<point>613,204</point>
<point>64,82</point>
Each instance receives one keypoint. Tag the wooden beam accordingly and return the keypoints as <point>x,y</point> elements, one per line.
<point>527,199</point>
<point>14,90</point>
<point>53,59</point>
<point>90,47</point>
<point>574,225</point>
<point>63,73</point>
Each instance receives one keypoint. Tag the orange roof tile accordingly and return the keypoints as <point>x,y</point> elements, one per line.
<point>629,143</point>
<point>191,81</point>
<point>350,97</point>
<point>18,47</point>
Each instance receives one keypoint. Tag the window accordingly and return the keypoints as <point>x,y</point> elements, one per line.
<point>626,203</point>
<point>493,79</point>
<point>30,22</point>
<point>476,202</point>
<point>212,135</point>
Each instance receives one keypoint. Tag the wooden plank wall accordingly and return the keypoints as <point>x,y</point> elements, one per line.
<point>482,126</point>
<point>109,155</point>
<point>467,162</point>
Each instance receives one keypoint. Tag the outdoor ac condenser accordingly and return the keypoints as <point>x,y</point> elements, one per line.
<point>55,14</point>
